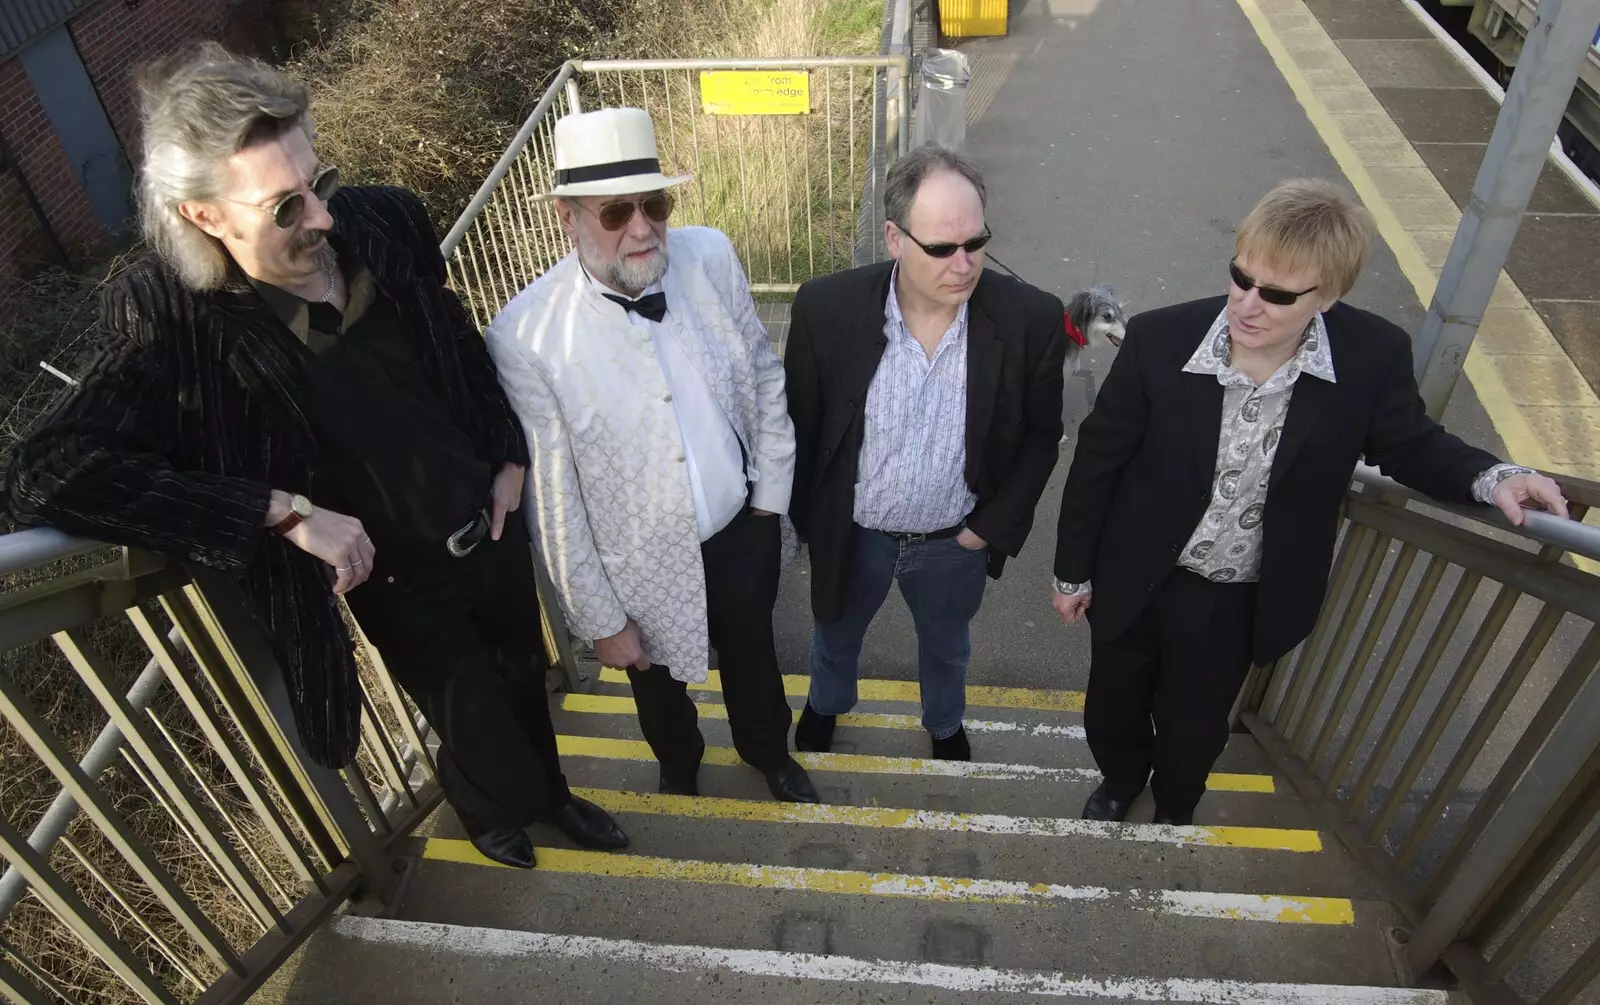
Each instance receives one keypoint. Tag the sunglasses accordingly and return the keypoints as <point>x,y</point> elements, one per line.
<point>946,249</point>
<point>657,206</point>
<point>1271,294</point>
<point>286,212</point>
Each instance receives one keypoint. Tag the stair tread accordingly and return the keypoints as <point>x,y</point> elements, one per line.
<point>411,962</point>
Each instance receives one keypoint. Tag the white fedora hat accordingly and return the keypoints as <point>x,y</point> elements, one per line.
<point>608,152</point>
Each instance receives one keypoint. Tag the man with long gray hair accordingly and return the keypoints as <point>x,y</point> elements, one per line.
<point>289,340</point>
<point>926,397</point>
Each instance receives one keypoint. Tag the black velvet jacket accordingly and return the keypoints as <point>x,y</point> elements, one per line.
<point>194,412</point>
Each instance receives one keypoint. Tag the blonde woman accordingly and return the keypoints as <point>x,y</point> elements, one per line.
<point>1198,520</point>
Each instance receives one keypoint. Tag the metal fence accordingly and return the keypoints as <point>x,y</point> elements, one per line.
<point>166,838</point>
<point>785,188</point>
<point>1461,764</point>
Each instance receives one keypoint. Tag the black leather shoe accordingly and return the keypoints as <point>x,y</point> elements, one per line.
<point>1175,819</point>
<point>590,826</point>
<point>689,785</point>
<point>814,732</point>
<point>1102,807</point>
<point>506,846</point>
<point>791,784</point>
<point>953,747</point>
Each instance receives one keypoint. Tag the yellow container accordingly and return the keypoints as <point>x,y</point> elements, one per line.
<point>970,18</point>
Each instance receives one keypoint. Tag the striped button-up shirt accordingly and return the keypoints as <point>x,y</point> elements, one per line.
<point>911,476</point>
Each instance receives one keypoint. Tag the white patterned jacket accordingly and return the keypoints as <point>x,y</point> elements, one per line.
<point>608,502</point>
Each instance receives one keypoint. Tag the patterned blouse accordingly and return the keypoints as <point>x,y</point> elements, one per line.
<point>1226,545</point>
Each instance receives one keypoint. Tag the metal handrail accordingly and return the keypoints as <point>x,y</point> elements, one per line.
<point>1544,528</point>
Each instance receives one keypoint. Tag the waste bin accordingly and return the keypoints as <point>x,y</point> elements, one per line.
<point>941,115</point>
<point>970,18</point>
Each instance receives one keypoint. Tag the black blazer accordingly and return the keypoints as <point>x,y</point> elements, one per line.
<point>193,413</point>
<point>1146,457</point>
<point>1016,341</point>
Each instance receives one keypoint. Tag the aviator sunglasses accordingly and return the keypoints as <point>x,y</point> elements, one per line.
<point>1271,294</point>
<point>946,249</point>
<point>657,206</point>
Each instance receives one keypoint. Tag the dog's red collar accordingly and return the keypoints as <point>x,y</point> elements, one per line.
<point>1075,333</point>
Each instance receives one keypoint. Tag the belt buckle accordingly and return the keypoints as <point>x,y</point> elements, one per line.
<point>462,542</point>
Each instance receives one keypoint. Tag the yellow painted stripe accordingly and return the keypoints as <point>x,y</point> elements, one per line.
<point>799,685</point>
<point>616,704</point>
<point>850,882</point>
<point>885,818</point>
<point>638,750</point>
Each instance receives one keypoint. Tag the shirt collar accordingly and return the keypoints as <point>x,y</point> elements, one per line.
<point>1215,353</point>
<point>897,321</point>
<point>295,311</point>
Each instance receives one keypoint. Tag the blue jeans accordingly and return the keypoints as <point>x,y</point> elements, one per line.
<point>943,586</point>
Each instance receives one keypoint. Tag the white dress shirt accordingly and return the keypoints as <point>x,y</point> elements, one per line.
<point>710,447</point>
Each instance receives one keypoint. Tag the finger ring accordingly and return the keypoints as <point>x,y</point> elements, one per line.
<point>342,568</point>
<point>356,561</point>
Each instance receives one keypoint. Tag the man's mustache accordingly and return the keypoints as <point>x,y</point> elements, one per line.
<point>307,240</point>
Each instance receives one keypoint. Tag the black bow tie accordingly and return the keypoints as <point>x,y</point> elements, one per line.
<point>652,306</point>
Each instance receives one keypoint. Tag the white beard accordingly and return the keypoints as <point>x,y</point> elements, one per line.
<point>624,276</point>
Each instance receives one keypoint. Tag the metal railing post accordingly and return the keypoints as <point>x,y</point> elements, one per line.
<point>1558,42</point>
<point>1571,745</point>
<point>363,846</point>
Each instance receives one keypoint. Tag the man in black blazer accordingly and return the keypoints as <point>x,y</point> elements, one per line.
<point>1199,517</point>
<point>926,398</point>
<point>291,341</point>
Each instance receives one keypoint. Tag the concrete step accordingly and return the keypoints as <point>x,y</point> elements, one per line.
<point>415,963</point>
<point>1045,739</point>
<point>1150,932</point>
<point>1051,850</point>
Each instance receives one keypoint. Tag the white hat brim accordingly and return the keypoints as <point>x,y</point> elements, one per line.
<point>625,185</point>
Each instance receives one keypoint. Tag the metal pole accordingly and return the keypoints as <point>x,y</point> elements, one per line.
<point>1547,71</point>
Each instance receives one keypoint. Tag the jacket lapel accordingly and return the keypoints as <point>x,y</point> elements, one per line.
<point>984,353</point>
<point>1311,396</point>
<point>1205,395</point>
<point>863,348</point>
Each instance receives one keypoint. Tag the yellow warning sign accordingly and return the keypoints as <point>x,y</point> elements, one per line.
<point>761,92</point>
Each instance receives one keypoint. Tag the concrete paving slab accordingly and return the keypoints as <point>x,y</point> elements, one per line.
<point>1407,63</point>
<point>1576,326</point>
<point>1556,257</point>
<point>1364,19</point>
<point>1440,115</point>
<point>1456,165</point>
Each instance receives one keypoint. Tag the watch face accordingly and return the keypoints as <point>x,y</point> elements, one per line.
<point>302,506</point>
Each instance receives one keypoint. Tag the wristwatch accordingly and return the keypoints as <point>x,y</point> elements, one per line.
<point>299,508</point>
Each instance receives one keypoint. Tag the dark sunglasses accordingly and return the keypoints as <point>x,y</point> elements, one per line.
<point>1271,294</point>
<point>286,212</point>
<point>657,206</point>
<point>946,249</point>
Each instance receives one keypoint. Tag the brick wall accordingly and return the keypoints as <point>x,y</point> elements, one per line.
<point>49,173</point>
<point>113,39</point>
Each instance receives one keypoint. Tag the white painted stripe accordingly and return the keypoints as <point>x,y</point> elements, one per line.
<point>502,944</point>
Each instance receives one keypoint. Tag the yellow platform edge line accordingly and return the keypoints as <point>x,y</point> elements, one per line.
<point>1515,431</point>
<point>798,686</point>
<point>888,818</point>
<point>948,889</point>
<point>607,748</point>
<point>616,704</point>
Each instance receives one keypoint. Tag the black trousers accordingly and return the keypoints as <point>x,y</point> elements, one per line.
<point>1160,693</point>
<point>741,568</point>
<point>462,637</point>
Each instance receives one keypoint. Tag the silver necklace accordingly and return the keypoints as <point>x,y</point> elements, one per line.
<point>327,294</point>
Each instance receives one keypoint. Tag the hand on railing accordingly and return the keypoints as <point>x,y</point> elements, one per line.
<point>1518,492</point>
